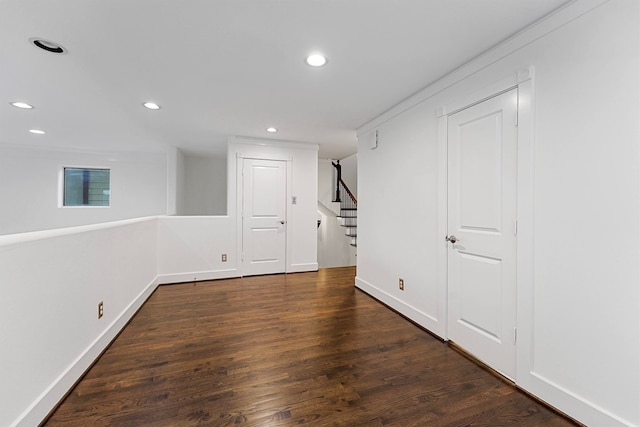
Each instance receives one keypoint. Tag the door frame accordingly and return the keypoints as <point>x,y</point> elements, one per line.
<point>240,206</point>
<point>523,80</point>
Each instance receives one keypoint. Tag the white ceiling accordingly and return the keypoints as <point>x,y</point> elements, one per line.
<point>231,67</point>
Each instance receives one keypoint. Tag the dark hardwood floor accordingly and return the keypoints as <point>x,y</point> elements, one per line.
<point>285,350</point>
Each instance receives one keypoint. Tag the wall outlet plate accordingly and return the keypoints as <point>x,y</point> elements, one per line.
<point>401,284</point>
<point>100,309</point>
<point>224,257</point>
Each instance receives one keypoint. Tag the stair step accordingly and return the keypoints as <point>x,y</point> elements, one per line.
<point>349,222</point>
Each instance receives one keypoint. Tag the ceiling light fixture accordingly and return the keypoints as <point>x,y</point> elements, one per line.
<point>47,45</point>
<point>272,130</point>
<point>151,105</point>
<point>316,60</point>
<point>37,131</point>
<point>22,105</point>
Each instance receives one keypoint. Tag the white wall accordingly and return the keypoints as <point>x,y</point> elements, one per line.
<point>302,165</point>
<point>53,280</point>
<point>30,189</point>
<point>398,218</point>
<point>579,345</point>
<point>205,184</point>
<point>326,184</point>
<point>174,179</point>
<point>51,283</point>
<point>191,248</point>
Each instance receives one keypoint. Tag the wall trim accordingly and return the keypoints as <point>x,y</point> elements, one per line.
<point>487,92</point>
<point>522,80</point>
<point>572,403</point>
<point>196,276</point>
<point>273,142</point>
<point>30,236</point>
<point>49,399</point>
<point>544,26</point>
<point>301,268</point>
<point>288,211</point>
<point>420,317</point>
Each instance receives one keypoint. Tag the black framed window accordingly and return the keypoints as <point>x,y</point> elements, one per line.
<point>87,187</point>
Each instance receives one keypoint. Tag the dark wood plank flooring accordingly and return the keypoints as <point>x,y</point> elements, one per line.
<point>285,350</point>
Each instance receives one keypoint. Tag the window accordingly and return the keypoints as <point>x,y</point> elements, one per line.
<point>86,187</point>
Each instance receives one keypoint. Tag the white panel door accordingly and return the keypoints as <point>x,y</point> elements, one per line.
<point>264,216</point>
<point>482,174</point>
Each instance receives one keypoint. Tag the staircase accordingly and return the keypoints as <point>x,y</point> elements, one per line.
<point>346,207</point>
<point>348,219</point>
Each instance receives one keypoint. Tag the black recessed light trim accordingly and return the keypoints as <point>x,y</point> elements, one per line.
<point>48,45</point>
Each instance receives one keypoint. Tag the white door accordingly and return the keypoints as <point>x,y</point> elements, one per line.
<point>264,216</point>
<point>482,175</point>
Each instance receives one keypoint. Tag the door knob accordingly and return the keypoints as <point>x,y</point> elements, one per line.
<point>282,221</point>
<point>451,239</point>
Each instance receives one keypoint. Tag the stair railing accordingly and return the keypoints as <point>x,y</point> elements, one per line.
<point>350,202</point>
<point>348,206</point>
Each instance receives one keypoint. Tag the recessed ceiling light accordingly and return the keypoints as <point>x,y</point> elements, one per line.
<point>47,45</point>
<point>151,105</point>
<point>23,105</point>
<point>316,60</point>
<point>37,131</point>
<point>272,130</point>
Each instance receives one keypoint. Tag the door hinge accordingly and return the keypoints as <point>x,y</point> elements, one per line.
<point>515,227</point>
<point>515,335</point>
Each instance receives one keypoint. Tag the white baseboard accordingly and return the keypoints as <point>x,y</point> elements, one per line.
<point>300,268</point>
<point>543,388</point>
<point>536,384</point>
<point>164,279</point>
<point>421,318</point>
<point>572,404</point>
<point>49,398</point>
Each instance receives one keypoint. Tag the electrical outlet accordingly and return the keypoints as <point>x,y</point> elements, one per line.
<point>401,284</point>
<point>224,257</point>
<point>100,309</point>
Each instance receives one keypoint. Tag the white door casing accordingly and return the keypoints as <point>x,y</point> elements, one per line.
<point>264,184</point>
<point>482,212</point>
